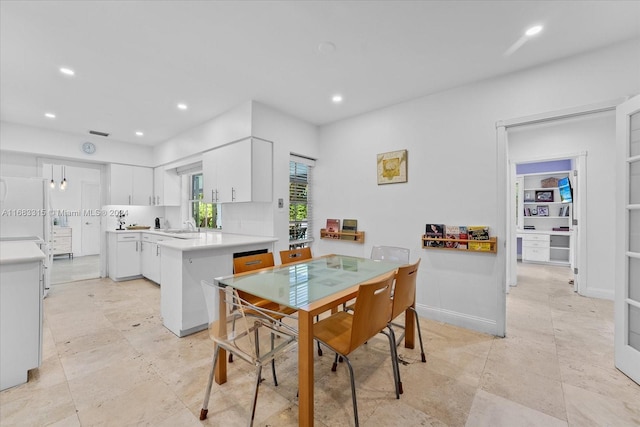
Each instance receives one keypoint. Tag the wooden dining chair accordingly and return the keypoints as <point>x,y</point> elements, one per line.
<point>242,337</point>
<point>252,263</point>
<point>403,299</point>
<point>294,255</point>
<point>343,332</point>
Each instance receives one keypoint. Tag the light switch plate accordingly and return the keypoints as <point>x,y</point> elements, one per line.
<point>281,203</point>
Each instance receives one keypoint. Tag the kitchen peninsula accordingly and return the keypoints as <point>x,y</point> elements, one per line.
<point>185,262</point>
<point>183,259</point>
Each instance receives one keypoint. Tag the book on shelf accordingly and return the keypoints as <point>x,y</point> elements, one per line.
<point>349,226</point>
<point>477,235</point>
<point>434,231</point>
<point>455,232</point>
<point>529,227</point>
<point>333,228</point>
<point>561,228</point>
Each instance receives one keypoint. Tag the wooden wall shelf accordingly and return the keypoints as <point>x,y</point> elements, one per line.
<point>492,244</point>
<point>357,237</point>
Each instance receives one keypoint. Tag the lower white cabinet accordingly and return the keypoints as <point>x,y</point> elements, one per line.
<point>548,247</point>
<point>21,288</point>
<point>124,255</point>
<point>62,241</point>
<point>150,256</point>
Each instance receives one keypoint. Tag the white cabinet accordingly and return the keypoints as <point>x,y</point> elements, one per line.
<point>21,288</point>
<point>62,242</point>
<point>542,207</point>
<point>547,247</point>
<point>150,256</point>
<point>124,255</point>
<point>239,172</point>
<point>131,185</point>
<point>166,187</point>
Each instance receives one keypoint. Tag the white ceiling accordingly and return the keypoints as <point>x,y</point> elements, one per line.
<point>135,60</point>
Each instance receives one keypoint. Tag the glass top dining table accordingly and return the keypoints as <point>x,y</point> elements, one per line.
<point>299,284</point>
<point>311,287</point>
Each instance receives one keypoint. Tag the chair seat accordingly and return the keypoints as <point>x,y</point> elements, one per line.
<point>335,331</point>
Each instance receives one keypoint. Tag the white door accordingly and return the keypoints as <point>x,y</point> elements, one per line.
<point>90,219</point>
<point>627,291</point>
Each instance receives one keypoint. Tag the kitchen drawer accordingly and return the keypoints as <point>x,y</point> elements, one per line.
<point>129,237</point>
<point>535,244</point>
<point>535,254</point>
<point>62,231</point>
<point>536,237</point>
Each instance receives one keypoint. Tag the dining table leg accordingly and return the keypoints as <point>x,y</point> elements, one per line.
<point>410,328</point>
<point>305,368</point>
<point>221,366</point>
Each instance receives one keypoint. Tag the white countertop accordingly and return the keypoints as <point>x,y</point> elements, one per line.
<point>17,252</point>
<point>203,240</point>
<point>214,241</point>
<point>553,232</point>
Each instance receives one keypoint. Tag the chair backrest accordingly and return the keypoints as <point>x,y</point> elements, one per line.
<point>252,262</point>
<point>294,255</point>
<point>390,253</point>
<point>372,310</point>
<point>404,291</point>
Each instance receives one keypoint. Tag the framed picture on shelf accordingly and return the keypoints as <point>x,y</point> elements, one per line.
<point>529,196</point>
<point>543,210</point>
<point>544,196</point>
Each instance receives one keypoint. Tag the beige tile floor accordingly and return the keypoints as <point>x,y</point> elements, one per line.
<point>108,361</point>
<point>65,269</point>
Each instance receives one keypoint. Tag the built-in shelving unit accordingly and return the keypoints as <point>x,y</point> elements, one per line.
<point>544,220</point>
<point>346,236</point>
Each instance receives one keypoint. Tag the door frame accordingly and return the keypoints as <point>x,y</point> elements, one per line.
<point>626,357</point>
<point>503,187</point>
<point>578,238</point>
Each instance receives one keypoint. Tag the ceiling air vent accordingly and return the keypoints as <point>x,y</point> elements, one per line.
<point>95,132</point>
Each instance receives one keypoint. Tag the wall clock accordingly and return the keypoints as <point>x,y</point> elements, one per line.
<point>89,147</point>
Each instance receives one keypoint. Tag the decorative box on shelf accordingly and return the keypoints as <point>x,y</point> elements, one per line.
<point>357,236</point>
<point>462,245</point>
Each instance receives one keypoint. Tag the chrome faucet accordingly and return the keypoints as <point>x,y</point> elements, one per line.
<point>191,225</point>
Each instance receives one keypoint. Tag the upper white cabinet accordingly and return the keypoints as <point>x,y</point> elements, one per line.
<point>131,185</point>
<point>166,187</point>
<point>239,172</point>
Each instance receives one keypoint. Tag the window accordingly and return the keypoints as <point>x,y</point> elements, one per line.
<point>205,215</point>
<point>299,202</point>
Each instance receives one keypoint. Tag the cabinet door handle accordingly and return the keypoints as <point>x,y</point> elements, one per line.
<point>150,202</point>
<point>213,199</point>
<point>158,200</point>
<point>157,250</point>
<point>136,246</point>
<point>233,194</point>
<point>129,199</point>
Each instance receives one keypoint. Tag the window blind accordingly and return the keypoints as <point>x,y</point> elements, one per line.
<point>300,201</point>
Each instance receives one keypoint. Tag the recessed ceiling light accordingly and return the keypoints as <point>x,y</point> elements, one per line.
<point>50,115</point>
<point>533,30</point>
<point>336,98</point>
<point>139,133</point>
<point>326,47</point>
<point>67,71</point>
<point>182,106</point>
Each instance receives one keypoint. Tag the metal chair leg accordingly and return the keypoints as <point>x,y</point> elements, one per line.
<point>255,395</point>
<point>353,392</point>
<point>273,362</point>
<point>415,314</point>
<point>394,361</point>
<point>207,393</point>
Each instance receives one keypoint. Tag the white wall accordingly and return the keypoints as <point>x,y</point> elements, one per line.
<point>230,126</point>
<point>595,135</point>
<point>451,139</point>
<point>19,165</point>
<point>47,143</point>
<point>289,135</point>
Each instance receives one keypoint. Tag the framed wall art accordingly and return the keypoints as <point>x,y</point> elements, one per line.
<point>544,196</point>
<point>392,167</point>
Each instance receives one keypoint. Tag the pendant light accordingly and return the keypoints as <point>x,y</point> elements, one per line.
<point>52,184</point>
<point>63,183</point>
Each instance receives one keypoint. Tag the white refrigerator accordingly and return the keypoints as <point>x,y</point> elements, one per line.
<point>25,214</point>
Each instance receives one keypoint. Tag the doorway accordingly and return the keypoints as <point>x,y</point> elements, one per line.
<point>75,219</point>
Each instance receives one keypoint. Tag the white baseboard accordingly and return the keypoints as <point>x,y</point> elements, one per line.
<point>479,324</point>
<point>599,293</point>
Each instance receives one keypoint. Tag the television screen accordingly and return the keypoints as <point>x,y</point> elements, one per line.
<point>564,186</point>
